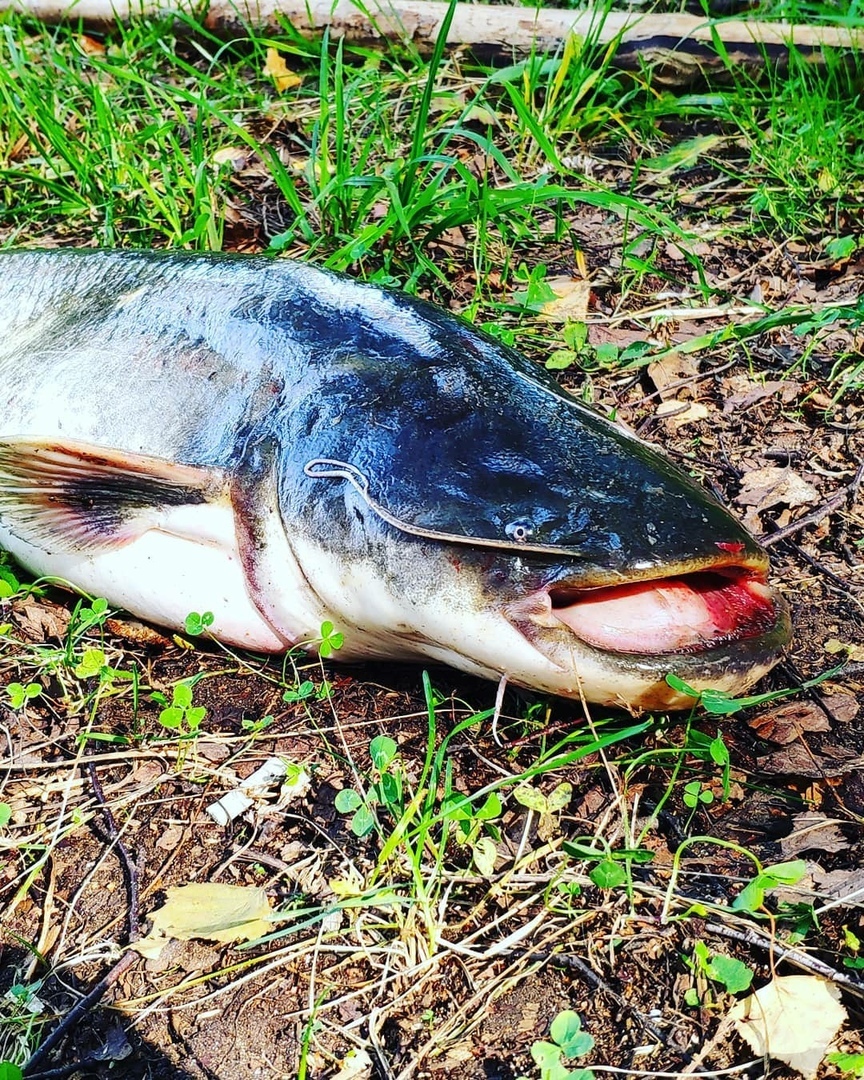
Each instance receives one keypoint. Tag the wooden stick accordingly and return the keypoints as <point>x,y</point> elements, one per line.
<point>498,27</point>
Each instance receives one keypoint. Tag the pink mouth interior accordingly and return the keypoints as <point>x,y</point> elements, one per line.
<point>679,614</point>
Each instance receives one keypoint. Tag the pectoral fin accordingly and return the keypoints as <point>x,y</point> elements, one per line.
<point>71,496</point>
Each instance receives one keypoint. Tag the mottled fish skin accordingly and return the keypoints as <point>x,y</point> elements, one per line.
<point>353,454</point>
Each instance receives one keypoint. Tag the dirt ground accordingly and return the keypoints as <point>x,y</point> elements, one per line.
<point>465,984</point>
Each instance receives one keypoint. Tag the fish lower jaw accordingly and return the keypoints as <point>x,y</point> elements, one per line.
<point>615,646</point>
<point>685,614</point>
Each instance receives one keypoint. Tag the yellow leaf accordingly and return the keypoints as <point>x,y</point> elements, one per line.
<point>210,911</point>
<point>283,77</point>
<point>356,1065</point>
<point>827,181</point>
<point>793,1019</point>
<point>571,300</point>
<point>695,411</point>
<point>855,653</point>
<point>235,156</point>
<point>90,46</point>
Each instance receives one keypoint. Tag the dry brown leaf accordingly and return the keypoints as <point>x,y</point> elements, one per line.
<point>758,392</point>
<point>283,77</point>
<point>42,620</point>
<point>672,411</point>
<point>813,832</point>
<point>235,156</point>
<point>171,838</point>
<point>571,300</point>
<point>839,884</point>
<point>793,1019</point>
<point>797,760</point>
<point>90,46</point>
<point>772,485</point>
<point>671,369</point>
<point>842,707</point>
<point>207,910</point>
<point>786,723</point>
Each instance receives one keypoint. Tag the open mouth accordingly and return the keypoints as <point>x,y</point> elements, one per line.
<point>688,613</point>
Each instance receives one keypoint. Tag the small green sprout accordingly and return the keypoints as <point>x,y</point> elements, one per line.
<point>469,822</point>
<point>86,616</point>
<point>752,896</point>
<point>549,807</point>
<point>252,727</point>
<point>5,814</point>
<point>568,1041</point>
<point>386,791</point>
<point>19,694</point>
<point>181,711</point>
<point>331,639</point>
<point>611,871</point>
<point>733,975</point>
<point>306,690</point>
<point>695,795</point>
<point>197,624</point>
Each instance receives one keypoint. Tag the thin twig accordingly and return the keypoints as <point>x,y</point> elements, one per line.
<point>792,956</point>
<point>686,382</point>
<point>67,1070</point>
<point>851,588</point>
<point>78,1011</point>
<point>130,868</point>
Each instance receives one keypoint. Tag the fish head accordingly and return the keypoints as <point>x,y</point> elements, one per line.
<point>501,526</point>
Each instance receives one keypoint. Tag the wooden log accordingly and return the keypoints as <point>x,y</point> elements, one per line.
<point>678,41</point>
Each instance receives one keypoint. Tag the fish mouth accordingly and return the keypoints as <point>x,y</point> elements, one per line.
<point>683,614</point>
<point>699,617</point>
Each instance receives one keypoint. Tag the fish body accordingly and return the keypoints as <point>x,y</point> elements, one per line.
<point>283,446</point>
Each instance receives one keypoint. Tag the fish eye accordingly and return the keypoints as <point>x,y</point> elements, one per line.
<point>520,531</point>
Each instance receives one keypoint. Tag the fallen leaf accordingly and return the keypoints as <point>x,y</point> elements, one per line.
<point>682,156</point>
<point>235,156</point>
<point>855,653</point>
<point>283,77</point>
<point>813,832</point>
<point>571,300</point>
<point>842,707</point>
<point>42,620</point>
<point>839,884</point>
<point>355,1064</point>
<point>758,392</point>
<point>90,46</point>
<point>170,838</point>
<point>772,485</point>
<point>786,723</point>
<point>671,369</point>
<point>793,1019</point>
<point>797,760</point>
<point>210,911</point>
<point>693,411</point>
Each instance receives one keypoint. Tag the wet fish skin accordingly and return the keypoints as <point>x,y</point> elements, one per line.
<point>350,454</point>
